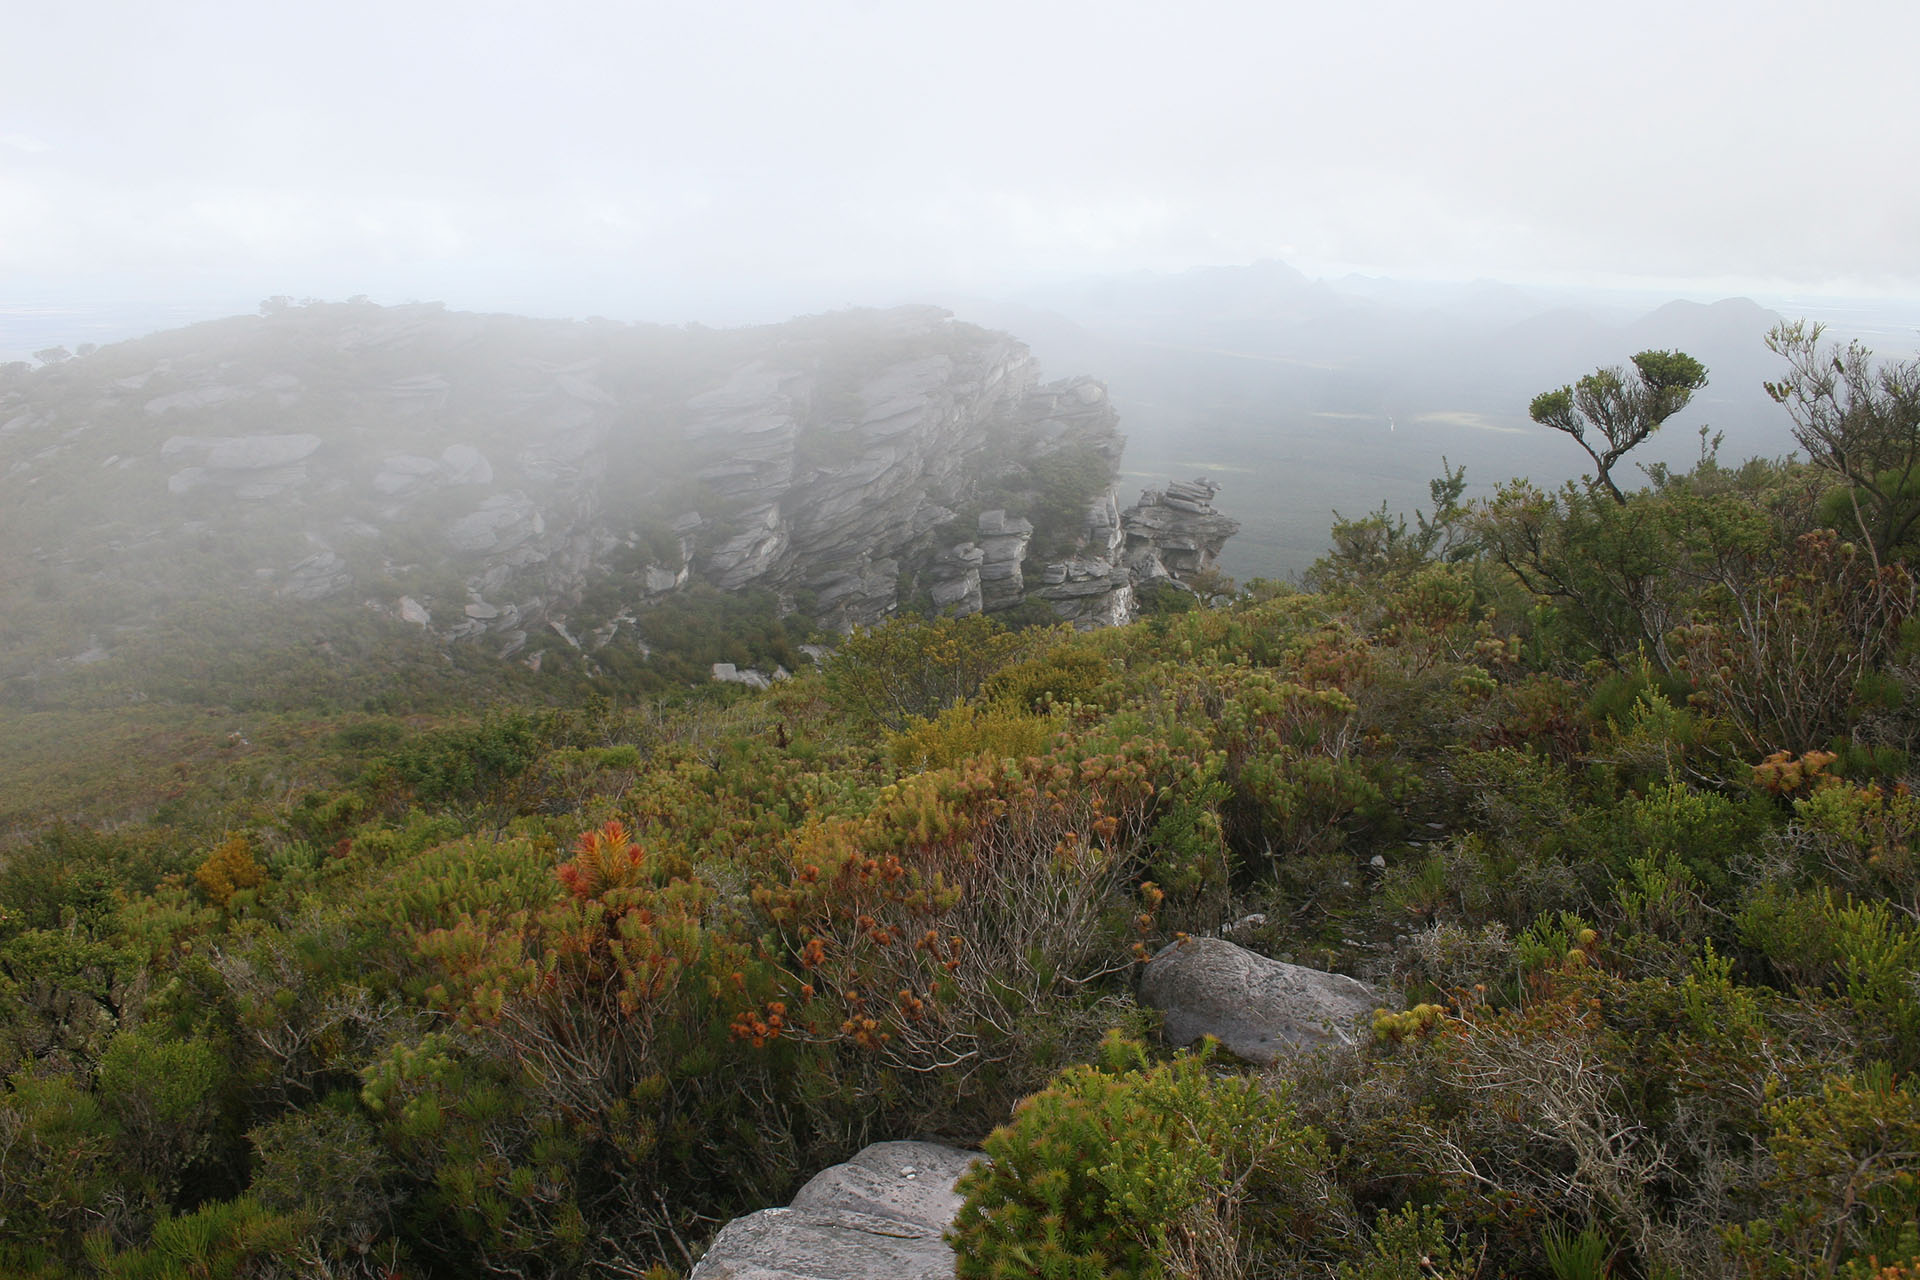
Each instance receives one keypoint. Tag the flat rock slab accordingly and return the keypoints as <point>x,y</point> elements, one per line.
<point>879,1216</point>
<point>1260,1010</point>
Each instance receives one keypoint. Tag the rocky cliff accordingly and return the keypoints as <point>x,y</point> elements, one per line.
<point>528,485</point>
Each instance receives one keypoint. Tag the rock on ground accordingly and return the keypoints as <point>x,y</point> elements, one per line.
<point>879,1216</point>
<point>1259,1009</point>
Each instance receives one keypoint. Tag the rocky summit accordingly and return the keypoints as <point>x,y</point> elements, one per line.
<point>525,485</point>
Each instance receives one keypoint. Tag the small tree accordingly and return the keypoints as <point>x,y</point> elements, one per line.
<point>1623,411</point>
<point>1859,421</point>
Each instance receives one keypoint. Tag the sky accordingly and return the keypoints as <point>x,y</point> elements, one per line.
<point>727,160</point>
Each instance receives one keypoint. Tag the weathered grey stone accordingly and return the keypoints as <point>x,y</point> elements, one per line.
<point>320,575</point>
<point>252,467</point>
<point>960,596</point>
<point>462,464</point>
<point>956,580</point>
<point>504,521</point>
<point>727,673</point>
<point>420,393</point>
<point>751,553</point>
<point>879,1216</point>
<point>404,474</point>
<point>196,398</point>
<point>1259,1009</point>
<point>1174,532</point>
<point>836,491</point>
<point>255,453</point>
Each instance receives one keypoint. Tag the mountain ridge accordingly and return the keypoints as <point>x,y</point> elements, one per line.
<point>532,487</point>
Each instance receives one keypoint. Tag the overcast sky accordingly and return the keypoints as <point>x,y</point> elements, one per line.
<point>713,160</point>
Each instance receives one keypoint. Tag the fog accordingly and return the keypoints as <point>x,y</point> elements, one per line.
<point>745,161</point>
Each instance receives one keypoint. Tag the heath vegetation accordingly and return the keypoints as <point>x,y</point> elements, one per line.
<point>1610,783</point>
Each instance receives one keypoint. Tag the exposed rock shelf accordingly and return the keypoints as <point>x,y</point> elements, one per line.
<point>879,1216</point>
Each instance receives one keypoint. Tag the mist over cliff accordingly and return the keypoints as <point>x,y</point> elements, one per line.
<point>535,491</point>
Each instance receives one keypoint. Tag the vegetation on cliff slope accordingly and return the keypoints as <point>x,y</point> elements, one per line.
<point>556,990</point>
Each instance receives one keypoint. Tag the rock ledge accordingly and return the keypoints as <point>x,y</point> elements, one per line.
<point>879,1216</point>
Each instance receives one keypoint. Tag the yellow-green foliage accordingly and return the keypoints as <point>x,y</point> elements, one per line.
<point>910,668</point>
<point>1419,1021</point>
<point>968,730</point>
<point>228,869</point>
<point>1138,1171</point>
<point>1847,1157</point>
<point>1068,672</point>
<point>1412,1245</point>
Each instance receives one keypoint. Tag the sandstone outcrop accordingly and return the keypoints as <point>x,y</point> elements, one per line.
<point>1259,1009</point>
<point>1175,532</point>
<point>484,477</point>
<point>879,1216</point>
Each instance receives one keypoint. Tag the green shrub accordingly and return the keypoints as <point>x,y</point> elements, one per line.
<point>1847,1161</point>
<point>224,1240</point>
<point>1127,1170</point>
<point>908,668</point>
<point>1862,951</point>
<point>325,1168</point>
<point>1067,673</point>
<point>1412,1245</point>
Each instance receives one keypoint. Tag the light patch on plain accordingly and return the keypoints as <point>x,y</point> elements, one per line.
<point>1214,466</point>
<point>1254,356</point>
<point>1473,421</point>
<point>24,142</point>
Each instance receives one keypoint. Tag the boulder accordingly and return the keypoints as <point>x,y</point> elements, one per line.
<point>1260,1010</point>
<point>879,1216</point>
<point>403,474</point>
<point>502,522</point>
<point>318,576</point>
<point>728,673</point>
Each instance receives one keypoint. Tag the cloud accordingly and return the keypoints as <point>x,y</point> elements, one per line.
<point>845,147</point>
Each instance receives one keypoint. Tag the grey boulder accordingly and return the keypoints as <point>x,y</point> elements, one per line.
<point>879,1216</point>
<point>1260,1010</point>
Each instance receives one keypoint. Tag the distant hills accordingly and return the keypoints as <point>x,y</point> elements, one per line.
<point>1310,395</point>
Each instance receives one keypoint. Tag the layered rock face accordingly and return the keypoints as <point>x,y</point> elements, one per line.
<point>1175,532</point>
<point>528,483</point>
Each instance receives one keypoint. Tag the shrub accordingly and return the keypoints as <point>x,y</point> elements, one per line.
<point>1412,1245</point>
<point>229,869</point>
<point>1127,1170</point>
<point>1781,657</point>
<point>1847,1159</point>
<point>967,731</point>
<point>325,1169</point>
<point>907,668</point>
